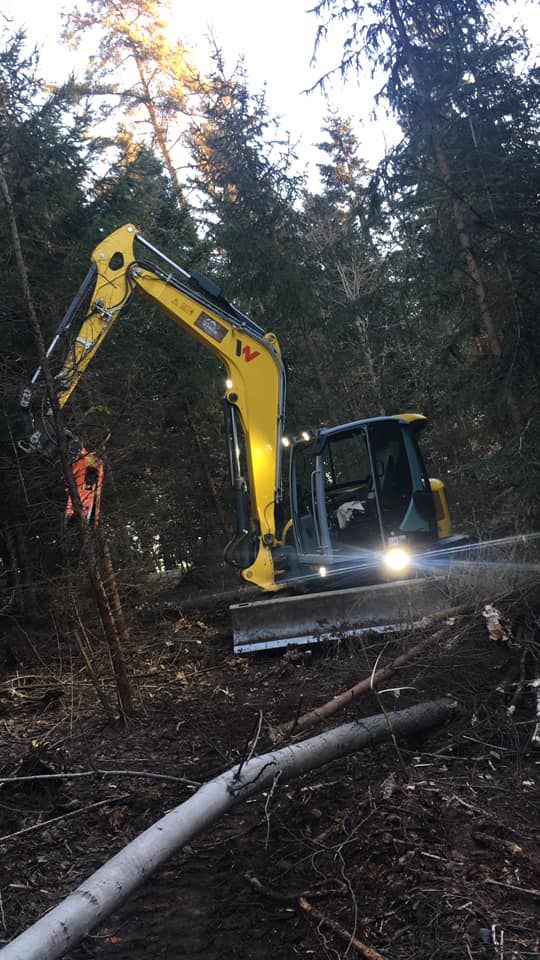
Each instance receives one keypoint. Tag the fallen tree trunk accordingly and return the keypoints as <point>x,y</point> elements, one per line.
<point>91,903</point>
<point>343,700</point>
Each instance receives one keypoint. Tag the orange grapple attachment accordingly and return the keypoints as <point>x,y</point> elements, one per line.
<point>89,473</point>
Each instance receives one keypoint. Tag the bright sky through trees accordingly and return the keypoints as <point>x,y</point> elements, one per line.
<point>276,40</point>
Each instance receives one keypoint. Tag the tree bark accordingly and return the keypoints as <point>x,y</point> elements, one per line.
<point>493,337</point>
<point>159,133</point>
<point>92,902</point>
<point>110,584</point>
<point>114,643</point>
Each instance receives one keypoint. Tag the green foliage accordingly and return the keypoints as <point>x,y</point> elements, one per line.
<point>162,374</point>
<point>136,71</point>
<point>453,207</point>
<point>251,204</point>
<point>44,158</point>
<point>44,162</point>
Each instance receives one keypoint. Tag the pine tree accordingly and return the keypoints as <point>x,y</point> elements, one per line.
<point>341,232</point>
<point>457,194</point>
<point>251,205</point>
<point>137,67</point>
<point>164,422</point>
<point>44,158</point>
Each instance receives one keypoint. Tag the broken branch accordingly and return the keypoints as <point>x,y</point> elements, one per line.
<point>351,939</point>
<point>342,700</point>
<point>64,816</point>
<point>144,774</point>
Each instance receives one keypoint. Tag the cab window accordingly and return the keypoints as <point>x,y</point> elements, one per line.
<point>346,461</point>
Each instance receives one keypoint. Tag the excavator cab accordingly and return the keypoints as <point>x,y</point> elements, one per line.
<point>361,500</point>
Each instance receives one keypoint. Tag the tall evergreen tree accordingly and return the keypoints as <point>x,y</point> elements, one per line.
<point>151,388</point>
<point>251,205</point>
<point>44,161</point>
<point>340,229</point>
<point>139,67</point>
<point>458,192</point>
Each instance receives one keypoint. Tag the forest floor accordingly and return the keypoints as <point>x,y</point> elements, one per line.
<point>426,853</point>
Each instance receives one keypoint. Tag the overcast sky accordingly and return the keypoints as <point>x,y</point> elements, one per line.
<point>276,39</point>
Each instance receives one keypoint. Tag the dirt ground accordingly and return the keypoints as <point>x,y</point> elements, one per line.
<point>426,852</point>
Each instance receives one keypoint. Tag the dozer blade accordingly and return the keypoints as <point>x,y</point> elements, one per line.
<point>288,621</point>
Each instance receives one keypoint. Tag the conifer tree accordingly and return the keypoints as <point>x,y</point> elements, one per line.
<point>340,229</point>
<point>138,67</point>
<point>458,193</point>
<point>251,204</point>
<point>151,388</point>
<point>43,159</point>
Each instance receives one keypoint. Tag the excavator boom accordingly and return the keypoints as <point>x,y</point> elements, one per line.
<point>255,374</point>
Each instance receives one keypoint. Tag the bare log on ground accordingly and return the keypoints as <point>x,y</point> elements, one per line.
<point>91,903</point>
<point>343,700</point>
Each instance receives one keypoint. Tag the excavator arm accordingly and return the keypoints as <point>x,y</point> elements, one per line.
<point>255,375</point>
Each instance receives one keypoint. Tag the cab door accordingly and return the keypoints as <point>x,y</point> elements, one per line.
<point>348,494</point>
<point>334,497</point>
<point>406,502</point>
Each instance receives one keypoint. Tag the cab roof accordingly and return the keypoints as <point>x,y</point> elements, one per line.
<point>414,420</point>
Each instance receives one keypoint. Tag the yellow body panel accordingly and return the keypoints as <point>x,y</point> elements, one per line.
<point>253,365</point>
<point>442,513</point>
<point>418,418</point>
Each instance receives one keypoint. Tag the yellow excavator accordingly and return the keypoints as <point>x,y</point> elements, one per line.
<point>361,513</point>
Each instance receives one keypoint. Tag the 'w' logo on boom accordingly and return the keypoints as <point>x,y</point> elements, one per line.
<point>246,352</point>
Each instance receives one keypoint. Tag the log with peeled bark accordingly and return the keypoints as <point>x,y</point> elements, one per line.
<point>98,896</point>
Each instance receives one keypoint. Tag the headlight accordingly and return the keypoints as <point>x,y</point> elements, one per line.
<point>323,571</point>
<point>397,559</point>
